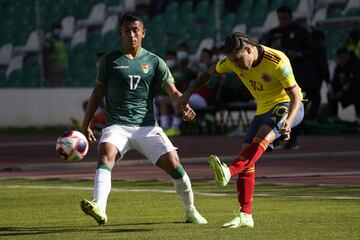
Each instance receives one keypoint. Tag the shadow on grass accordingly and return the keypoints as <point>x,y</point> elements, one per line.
<point>23,231</point>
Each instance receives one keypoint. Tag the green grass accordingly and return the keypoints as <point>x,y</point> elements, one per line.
<point>50,210</point>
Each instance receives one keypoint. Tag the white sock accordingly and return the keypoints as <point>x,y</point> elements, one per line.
<point>184,190</point>
<point>176,122</point>
<point>165,121</point>
<point>102,187</point>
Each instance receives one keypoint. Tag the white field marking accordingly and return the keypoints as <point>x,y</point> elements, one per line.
<point>172,191</point>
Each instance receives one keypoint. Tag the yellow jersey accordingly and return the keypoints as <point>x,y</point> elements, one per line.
<point>266,81</point>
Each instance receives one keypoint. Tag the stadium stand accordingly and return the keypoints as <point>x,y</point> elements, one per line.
<point>90,27</point>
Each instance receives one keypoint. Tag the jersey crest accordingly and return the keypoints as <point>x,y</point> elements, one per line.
<point>266,77</point>
<point>145,67</point>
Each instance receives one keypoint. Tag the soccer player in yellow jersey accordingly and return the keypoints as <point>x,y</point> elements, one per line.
<point>268,75</point>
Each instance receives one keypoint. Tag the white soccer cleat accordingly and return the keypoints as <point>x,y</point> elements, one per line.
<point>193,216</point>
<point>240,220</point>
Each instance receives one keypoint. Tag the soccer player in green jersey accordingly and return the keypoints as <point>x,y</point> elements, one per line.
<point>268,75</point>
<point>128,78</point>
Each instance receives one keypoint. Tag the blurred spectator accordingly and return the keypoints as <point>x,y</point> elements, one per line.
<point>182,52</point>
<point>179,66</point>
<point>55,58</point>
<point>319,69</point>
<point>294,40</point>
<point>205,60</point>
<point>345,84</point>
<point>206,94</point>
<point>353,42</point>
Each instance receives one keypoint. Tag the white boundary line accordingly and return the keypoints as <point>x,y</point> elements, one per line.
<point>172,191</point>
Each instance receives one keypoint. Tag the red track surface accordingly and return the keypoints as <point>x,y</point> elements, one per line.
<point>329,160</point>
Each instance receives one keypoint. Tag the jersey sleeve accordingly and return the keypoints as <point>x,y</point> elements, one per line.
<point>163,74</point>
<point>101,75</point>
<point>223,66</point>
<point>285,74</point>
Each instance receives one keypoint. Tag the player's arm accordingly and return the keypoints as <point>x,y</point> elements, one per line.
<point>200,80</point>
<point>295,102</point>
<point>187,112</point>
<point>93,103</point>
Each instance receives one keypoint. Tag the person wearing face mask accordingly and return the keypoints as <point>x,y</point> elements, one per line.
<point>55,58</point>
<point>179,66</point>
<point>205,95</point>
<point>182,52</point>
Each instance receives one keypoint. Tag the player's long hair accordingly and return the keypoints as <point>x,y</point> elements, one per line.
<point>236,41</point>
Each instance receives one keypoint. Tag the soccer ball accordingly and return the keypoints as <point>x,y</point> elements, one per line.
<point>72,146</point>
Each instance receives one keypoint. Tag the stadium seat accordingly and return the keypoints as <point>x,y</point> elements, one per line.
<point>16,63</point>
<point>185,8</point>
<point>259,11</point>
<point>205,43</point>
<point>353,12</point>
<point>240,28</point>
<point>79,37</point>
<point>109,25</point>
<point>68,27</point>
<point>245,10</point>
<point>351,4</point>
<point>201,10</point>
<point>171,9</point>
<point>320,15</point>
<point>228,23</point>
<point>270,22</point>
<point>32,45</point>
<point>96,17</point>
<point>6,53</point>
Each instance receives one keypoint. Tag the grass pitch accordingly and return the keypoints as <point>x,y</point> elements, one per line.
<point>33,209</point>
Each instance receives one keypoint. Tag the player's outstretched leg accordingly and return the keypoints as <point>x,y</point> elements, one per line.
<point>91,208</point>
<point>241,219</point>
<point>221,171</point>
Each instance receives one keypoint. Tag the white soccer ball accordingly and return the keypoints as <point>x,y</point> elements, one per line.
<point>72,146</point>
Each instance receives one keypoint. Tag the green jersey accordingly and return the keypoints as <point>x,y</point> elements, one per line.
<point>131,86</point>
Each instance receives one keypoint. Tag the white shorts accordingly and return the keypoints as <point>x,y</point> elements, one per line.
<point>151,141</point>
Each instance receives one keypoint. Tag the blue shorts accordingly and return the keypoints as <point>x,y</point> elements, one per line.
<point>271,119</point>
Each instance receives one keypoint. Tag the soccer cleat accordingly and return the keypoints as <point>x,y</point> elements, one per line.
<point>240,220</point>
<point>193,216</point>
<point>222,172</point>
<point>172,132</point>
<point>90,208</point>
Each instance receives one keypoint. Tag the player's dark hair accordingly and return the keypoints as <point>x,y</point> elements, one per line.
<point>285,9</point>
<point>131,17</point>
<point>236,41</point>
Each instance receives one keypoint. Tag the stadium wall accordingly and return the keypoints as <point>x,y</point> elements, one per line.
<point>54,106</point>
<point>41,107</point>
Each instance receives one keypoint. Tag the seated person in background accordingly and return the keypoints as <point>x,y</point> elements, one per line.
<point>179,66</point>
<point>345,85</point>
<point>206,94</point>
